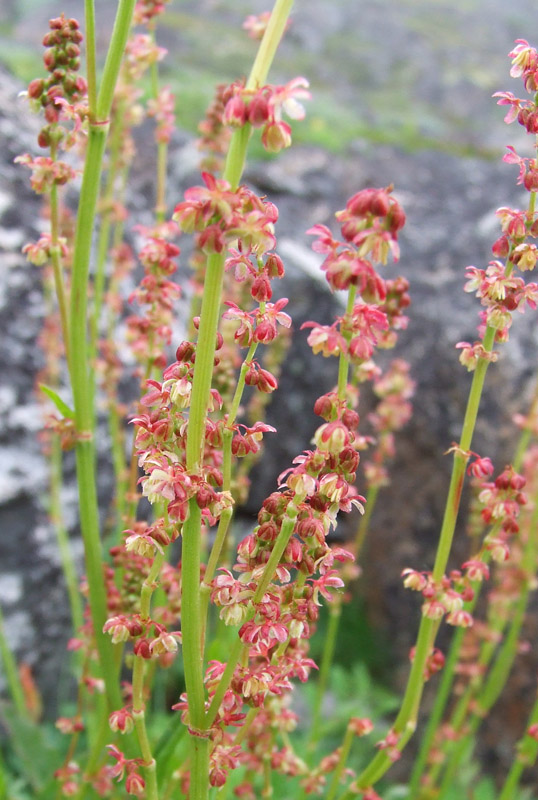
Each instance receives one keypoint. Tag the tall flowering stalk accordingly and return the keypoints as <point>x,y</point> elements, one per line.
<point>501,292</point>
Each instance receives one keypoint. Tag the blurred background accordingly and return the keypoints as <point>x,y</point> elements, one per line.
<point>413,73</point>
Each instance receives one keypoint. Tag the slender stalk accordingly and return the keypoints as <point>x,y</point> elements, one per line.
<point>329,646</point>
<point>405,722</point>
<point>239,648</point>
<point>66,557</point>
<point>91,70</point>
<point>344,755</point>
<point>526,756</point>
<point>55,253</point>
<point>120,33</point>
<point>104,237</point>
<point>492,687</point>
<point>364,524</point>
<point>343,363</point>
<point>83,400</point>
<point>443,692</point>
<point>139,666</point>
<point>192,623</point>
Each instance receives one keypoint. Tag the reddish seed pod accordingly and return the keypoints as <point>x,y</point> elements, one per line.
<point>141,648</point>
<point>35,88</point>
<point>43,138</point>
<point>359,204</point>
<point>274,266</point>
<point>235,112</point>
<point>49,59</point>
<point>510,303</point>
<point>258,111</point>
<point>325,407</point>
<point>504,480</point>
<point>397,218</point>
<point>261,289</point>
<point>349,460</point>
<point>379,204</point>
<point>185,352</point>
<point>251,377</point>
<point>350,419</point>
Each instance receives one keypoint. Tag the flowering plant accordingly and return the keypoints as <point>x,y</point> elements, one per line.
<point>239,616</point>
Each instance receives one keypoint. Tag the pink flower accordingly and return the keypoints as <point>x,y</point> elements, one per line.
<point>287,99</point>
<point>255,25</point>
<point>121,721</point>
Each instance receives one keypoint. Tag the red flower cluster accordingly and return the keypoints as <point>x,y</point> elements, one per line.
<point>263,108</point>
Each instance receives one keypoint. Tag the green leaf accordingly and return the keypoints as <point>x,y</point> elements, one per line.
<point>34,751</point>
<point>62,407</point>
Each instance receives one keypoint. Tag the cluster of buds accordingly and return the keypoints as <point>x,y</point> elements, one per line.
<point>393,388</point>
<point>501,501</point>
<point>132,628</point>
<point>370,224</point>
<point>500,291</point>
<point>214,134</point>
<point>161,439</point>
<point>501,294</point>
<point>128,768</point>
<point>220,216</point>
<point>150,333</point>
<point>162,109</point>
<point>146,10</point>
<point>445,597</point>
<point>132,560</point>
<point>263,108</point>
<point>312,492</point>
<point>524,66</point>
<point>64,90</point>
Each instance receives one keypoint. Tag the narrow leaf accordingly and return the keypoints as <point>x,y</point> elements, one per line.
<point>62,407</point>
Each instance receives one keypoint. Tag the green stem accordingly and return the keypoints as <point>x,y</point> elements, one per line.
<point>344,755</point>
<point>83,401</point>
<point>269,44</point>
<point>405,723</point>
<point>91,71</point>
<point>192,624</point>
<point>329,646</point>
<point>443,692</point>
<point>526,756</point>
<point>239,648</point>
<point>66,557</point>
<point>364,524</point>
<point>59,285</point>
<point>343,363</point>
<point>120,33</point>
<point>103,238</point>
<point>80,379</point>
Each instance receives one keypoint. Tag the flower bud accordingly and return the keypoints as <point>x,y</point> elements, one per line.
<point>258,111</point>
<point>276,136</point>
<point>235,112</point>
